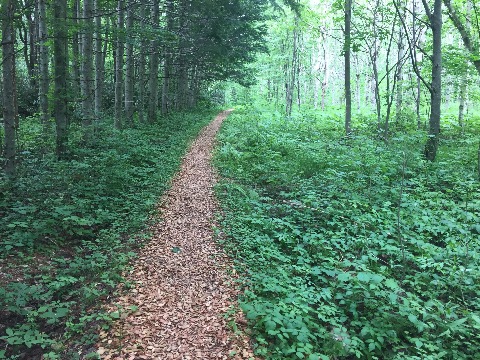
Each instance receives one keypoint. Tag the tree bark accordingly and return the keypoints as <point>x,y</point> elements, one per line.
<point>60,62</point>
<point>168,61</point>
<point>346,50</point>
<point>9,85</point>
<point>44,80</point>
<point>88,99</point>
<point>129,67</point>
<point>76,49</point>
<point>399,73</point>
<point>99,62</point>
<point>431,147</point>
<point>119,85</point>
<point>141,65</point>
<point>154,63</point>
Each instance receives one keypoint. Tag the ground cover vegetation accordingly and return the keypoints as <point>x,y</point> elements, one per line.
<point>351,247</point>
<point>70,228</point>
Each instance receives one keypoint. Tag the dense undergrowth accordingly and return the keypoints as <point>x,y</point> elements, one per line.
<point>352,248</point>
<point>68,229</point>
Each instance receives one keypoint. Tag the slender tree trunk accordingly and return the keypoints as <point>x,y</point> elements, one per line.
<point>43,65</point>
<point>119,85</point>
<point>9,85</point>
<point>99,62</point>
<point>376,85</point>
<point>325,72</point>
<point>141,65</point>
<point>60,62</point>
<point>357,83</point>
<point>76,49</point>
<point>154,64</point>
<point>399,73</point>
<point>88,99</point>
<point>168,61</point>
<point>464,81</point>
<point>291,74</point>
<point>182,67</point>
<point>346,50</point>
<point>461,105</point>
<point>431,146</point>
<point>129,67</point>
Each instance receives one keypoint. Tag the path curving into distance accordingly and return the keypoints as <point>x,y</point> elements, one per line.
<point>184,289</point>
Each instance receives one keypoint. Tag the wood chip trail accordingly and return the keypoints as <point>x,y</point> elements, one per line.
<point>184,289</point>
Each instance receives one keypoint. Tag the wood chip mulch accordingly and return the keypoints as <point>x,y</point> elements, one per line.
<point>185,284</point>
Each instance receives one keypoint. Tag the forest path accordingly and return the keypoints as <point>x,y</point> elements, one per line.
<point>184,287</point>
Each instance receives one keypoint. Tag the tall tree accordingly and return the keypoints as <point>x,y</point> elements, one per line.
<point>44,80</point>
<point>119,52</point>
<point>60,63</point>
<point>76,47</point>
<point>9,84</point>
<point>87,68</point>
<point>435,88</point>
<point>400,60</point>
<point>167,72</point>
<point>99,61</point>
<point>347,51</point>
<point>154,64</point>
<point>141,64</point>
<point>129,65</point>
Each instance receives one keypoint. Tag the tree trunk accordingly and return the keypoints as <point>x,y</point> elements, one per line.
<point>87,68</point>
<point>60,62</point>
<point>431,146</point>
<point>461,105</point>
<point>154,63</point>
<point>399,73</point>
<point>346,50</point>
<point>357,83</point>
<point>168,61</point>
<point>99,62</point>
<point>325,72</point>
<point>290,80</point>
<point>119,66</point>
<point>76,49</point>
<point>9,85</point>
<point>376,86</point>
<point>43,65</point>
<point>129,67</point>
<point>141,65</point>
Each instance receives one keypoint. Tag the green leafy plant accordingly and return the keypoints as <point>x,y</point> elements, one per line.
<point>351,248</point>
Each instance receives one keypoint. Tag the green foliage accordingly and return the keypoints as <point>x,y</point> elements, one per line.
<point>347,252</point>
<point>69,228</point>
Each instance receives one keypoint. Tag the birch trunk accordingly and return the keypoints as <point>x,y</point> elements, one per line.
<point>347,45</point>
